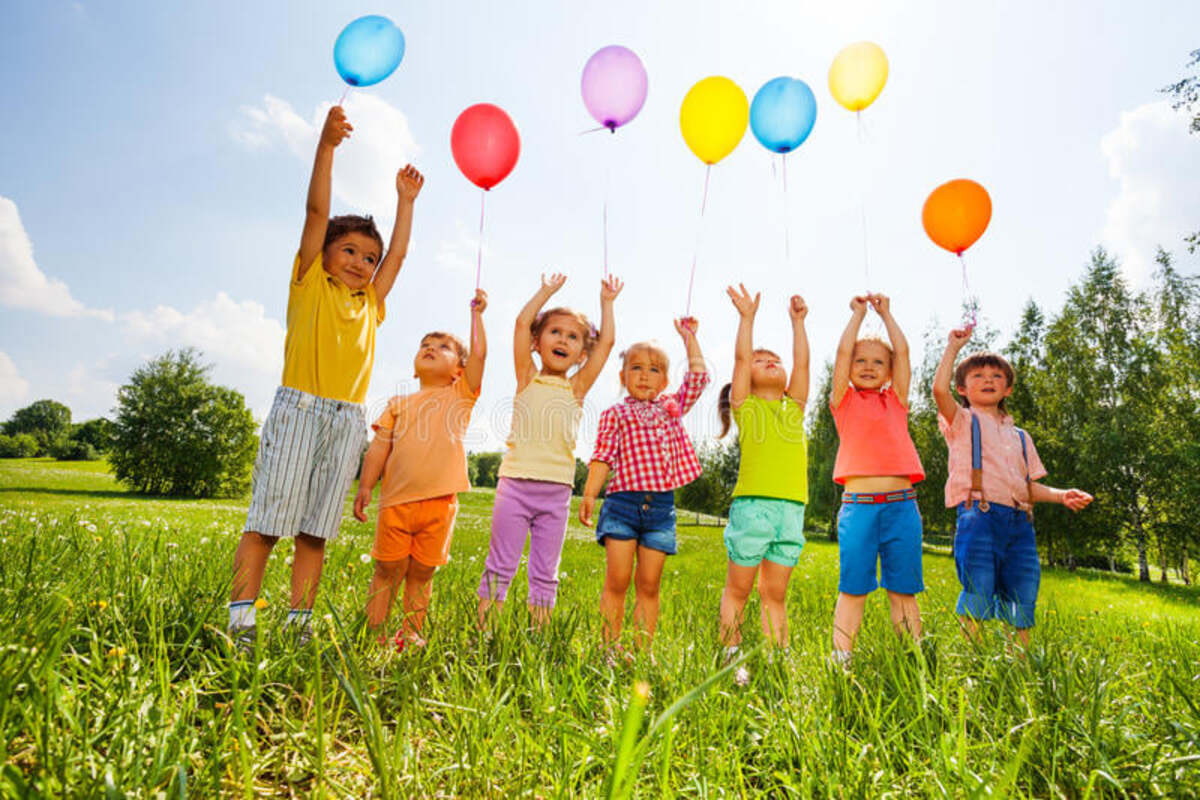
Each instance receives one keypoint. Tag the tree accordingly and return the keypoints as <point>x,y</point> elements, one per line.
<point>1186,92</point>
<point>712,492</point>
<point>823,493</point>
<point>48,421</point>
<point>96,432</point>
<point>483,468</point>
<point>177,434</point>
<point>21,445</point>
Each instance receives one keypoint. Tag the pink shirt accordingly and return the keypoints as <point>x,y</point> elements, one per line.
<point>644,442</point>
<point>873,429</point>
<point>1003,464</point>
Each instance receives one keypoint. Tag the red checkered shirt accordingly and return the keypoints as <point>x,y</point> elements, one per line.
<point>644,442</point>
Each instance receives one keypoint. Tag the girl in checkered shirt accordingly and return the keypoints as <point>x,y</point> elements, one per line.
<point>642,444</point>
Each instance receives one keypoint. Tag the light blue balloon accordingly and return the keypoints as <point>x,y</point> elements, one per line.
<point>782,114</point>
<point>368,50</point>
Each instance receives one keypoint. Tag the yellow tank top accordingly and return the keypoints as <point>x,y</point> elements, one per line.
<point>541,444</point>
<point>330,345</point>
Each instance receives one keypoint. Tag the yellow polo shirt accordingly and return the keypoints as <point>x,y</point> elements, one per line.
<point>330,344</point>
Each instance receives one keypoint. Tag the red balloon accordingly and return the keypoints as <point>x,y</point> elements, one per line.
<point>485,144</point>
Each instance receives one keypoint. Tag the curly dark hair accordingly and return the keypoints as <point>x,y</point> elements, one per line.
<point>341,225</point>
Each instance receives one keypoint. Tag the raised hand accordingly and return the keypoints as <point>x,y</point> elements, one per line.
<point>409,182</point>
<point>746,305</point>
<point>958,337</point>
<point>336,127</point>
<point>553,282</point>
<point>479,302</point>
<point>686,326</point>
<point>797,308</point>
<point>858,304</point>
<point>881,303</point>
<point>610,287</point>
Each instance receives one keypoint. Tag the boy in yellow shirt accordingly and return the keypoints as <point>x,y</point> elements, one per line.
<point>418,452</point>
<point>316,430</point>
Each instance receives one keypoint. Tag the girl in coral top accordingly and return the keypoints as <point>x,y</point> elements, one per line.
<point>877,463</point>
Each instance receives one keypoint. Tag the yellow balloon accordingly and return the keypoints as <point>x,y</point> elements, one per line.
<point>858,74</point>
<point>713,118</point>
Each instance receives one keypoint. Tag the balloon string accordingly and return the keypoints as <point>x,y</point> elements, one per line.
<point>607,182</point>
<point>593,130</point>
<point>969,305</point>
<point>699,230</point>
<point>862,201</point>
<point>787,233</point>
<point>346,92</point>
<point>478,267</point>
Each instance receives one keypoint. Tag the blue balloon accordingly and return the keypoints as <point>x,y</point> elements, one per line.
<point>368,50</point>
<point>782,114</point>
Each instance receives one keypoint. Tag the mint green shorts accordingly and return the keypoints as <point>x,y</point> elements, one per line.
<point>764,527</point>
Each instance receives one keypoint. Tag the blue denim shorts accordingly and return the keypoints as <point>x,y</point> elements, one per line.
<point>883,535</point>
<point>648,517</point>
<point>995,553</point>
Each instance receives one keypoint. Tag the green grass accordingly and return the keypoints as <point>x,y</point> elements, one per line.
<point>115,678</point>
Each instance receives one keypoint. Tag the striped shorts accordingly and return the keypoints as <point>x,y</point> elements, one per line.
<point>308,454</point>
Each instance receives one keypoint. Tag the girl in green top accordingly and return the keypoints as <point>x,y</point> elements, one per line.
<point>766,521</point>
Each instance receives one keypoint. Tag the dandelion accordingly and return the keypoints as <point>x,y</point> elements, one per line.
<point>562,575</point>
<point>203,540</point>
<point>261,603</point>
<point>117,653</point>
<point>100,605</point>
<point>742,676</point>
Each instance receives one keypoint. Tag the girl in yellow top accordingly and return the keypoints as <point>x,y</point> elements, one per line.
<point>313,437</point>
<point>766,520</point>
<point>533,495</point>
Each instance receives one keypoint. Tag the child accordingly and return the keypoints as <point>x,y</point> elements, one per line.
<point>642,442</point>
<point>313,437</point>
<point>992,473</point>
<point>418,450</point>
<point>766,520</point>
<point>533,495</point>
<point>877,464</point>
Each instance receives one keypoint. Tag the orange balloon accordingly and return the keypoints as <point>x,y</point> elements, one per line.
<point>956,214</point>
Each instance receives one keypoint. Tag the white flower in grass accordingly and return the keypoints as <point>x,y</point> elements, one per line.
<point>742,676</point>
<point>365,558</point>
<point>562,575</point>
<point>203,540</point>
<point>288,561</point>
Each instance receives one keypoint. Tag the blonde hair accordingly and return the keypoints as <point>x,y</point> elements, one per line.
<point>879,341</point>
<point>590,334</point>
<point>459,346</point>
<point>658,356</point>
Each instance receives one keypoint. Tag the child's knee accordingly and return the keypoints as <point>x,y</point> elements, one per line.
<point>647,589</point>
<point>775,595</point>
<point>305,541</point>
<point>390,571</point>
<point>420,573</point>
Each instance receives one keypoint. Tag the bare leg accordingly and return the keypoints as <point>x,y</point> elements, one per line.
<point>385,583</point>
<point>906,614</point>
<point>249,564</point>
<point>772,588</point>
<point>306,570</point>
<point>647,581</point>
<point>847,618</point>
<point>418,592</point>
<point>540,615</point>
<point>739,581</point>
<point>970,628</point>
<point>617,574</point>
<point>488,608</point>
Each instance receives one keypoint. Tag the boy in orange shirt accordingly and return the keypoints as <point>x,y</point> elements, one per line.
<point>418,450</point>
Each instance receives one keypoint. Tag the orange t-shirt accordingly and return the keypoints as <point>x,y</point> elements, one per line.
<point>873,428</point>
<point>426,430</point>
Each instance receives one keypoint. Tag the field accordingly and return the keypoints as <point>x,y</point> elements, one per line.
<point>116,679</point>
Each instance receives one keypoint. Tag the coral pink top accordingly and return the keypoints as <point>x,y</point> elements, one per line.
<point>873,428</point>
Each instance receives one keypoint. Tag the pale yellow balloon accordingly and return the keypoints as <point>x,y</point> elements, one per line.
<point>858,74</point>
<point>713,118</point>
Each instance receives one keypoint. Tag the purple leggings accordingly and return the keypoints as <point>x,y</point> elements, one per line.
<point>539,508</point>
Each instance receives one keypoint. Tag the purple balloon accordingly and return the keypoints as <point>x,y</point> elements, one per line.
<point>614,85</point>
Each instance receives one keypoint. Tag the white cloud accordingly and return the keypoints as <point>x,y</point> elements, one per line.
<point>22,284</point>
<point>225,331</point>
<point>366,164</point>
<point>462,252</point>
<point>13,388</point>
<point>1157,165</point>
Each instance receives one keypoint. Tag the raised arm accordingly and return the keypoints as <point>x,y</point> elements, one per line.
<point>473,373</point>
<point>408,186</point>
<point>901,359</point>
<point>686,327</point>
<point>743,349</point>
<point>316,211</point>
<point>942,395</point>
<point>522,332</point>
<point>610,287</point>
<point>798,384</point>
<point>845,351</point>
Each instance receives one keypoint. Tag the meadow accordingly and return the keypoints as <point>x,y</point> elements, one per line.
<point>116,678</point>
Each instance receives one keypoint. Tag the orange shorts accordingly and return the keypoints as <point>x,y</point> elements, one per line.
<point>421,529</point>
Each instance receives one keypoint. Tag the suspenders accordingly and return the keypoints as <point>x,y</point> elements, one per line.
<point>976,491</point>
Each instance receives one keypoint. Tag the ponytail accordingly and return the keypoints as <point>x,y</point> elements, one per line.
<point>723,409</point>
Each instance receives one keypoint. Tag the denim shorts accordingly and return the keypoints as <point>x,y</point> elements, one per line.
<point>648,517</point>
<point>764,527</point>
<point>995,553</point>
<point>883,538</point>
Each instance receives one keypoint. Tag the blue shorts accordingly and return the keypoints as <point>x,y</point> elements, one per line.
<point>883,534</point>
<point>996,556</point>
<point>648,517</point>
<point>764,527</point>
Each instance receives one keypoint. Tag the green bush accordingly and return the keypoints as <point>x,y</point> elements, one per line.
<point>47,421</point>
<point>74,450</point>
<point>21,445</point>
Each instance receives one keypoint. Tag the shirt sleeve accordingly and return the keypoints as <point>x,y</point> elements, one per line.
<point>387,420</point>
<point>693,386</point>
<point>1037,470</point>
<point>315,267</point>
<point>950,428</point>
<point>464,390</point>
<point>607,441</point>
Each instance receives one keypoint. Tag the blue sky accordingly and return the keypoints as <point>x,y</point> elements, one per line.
<point>155,158</point>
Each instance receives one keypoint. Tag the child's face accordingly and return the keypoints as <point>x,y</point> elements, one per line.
<point>985,386</point>
<point>436,361</point>
<point>767,373</point>
<point>560,344</point>
<point>870,366</point>
<point>352,259</point>
<point>643,376</point>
